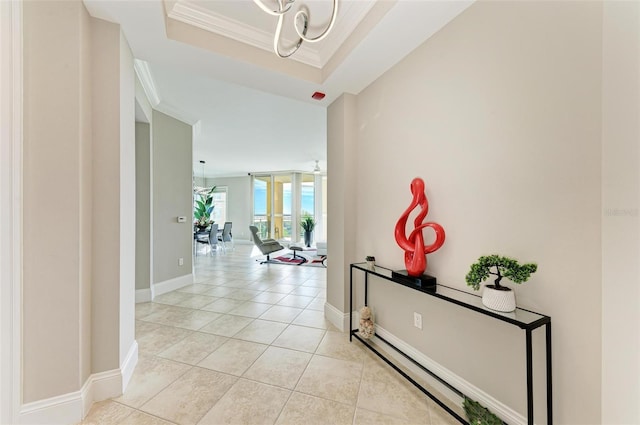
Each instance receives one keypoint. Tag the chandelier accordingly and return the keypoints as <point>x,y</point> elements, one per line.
<point>301,16</point>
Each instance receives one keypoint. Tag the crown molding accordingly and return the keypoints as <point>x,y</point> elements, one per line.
<point>351,14</point>
<point>177,113</point>
<point>146,79</point>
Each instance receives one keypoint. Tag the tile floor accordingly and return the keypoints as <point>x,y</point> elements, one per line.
<point>248,344</point>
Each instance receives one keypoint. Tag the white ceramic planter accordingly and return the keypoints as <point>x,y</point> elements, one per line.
<point>499,300</point>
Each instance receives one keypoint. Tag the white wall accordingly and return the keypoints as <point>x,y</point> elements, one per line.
<point>10,206</point>
<point>500,114</point>
<point>238,203</point>
<point>620,219</point>
<point>127,193</point>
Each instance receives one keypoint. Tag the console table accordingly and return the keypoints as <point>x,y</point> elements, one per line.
<point>524,319</point>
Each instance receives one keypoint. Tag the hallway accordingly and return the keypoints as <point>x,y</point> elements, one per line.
<point>248,344</point>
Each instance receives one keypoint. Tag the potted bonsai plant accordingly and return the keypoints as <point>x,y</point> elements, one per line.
<point>308,224</point>
<point>495,296</point>
<point>203,208</point>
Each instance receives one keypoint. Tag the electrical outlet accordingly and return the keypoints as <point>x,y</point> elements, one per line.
<point>181,261</point>
<point>417,320</point>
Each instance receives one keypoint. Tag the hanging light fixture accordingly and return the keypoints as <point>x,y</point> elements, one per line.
<point>316,169</point>
<point>284,6</point>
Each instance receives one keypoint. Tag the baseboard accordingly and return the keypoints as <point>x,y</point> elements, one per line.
<point>71,408</point>
<point>60,410</point>
<point>242,242</point>
<point>128,365</point>
<point>337,318</point>
<point>143,295</point>
<point>172,284</point>
<point>501,410</point>
<point>100,386</point>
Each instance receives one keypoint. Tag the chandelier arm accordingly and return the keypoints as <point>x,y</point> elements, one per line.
<point>283,9</point>
<point>324,34</point>
<point>276,38</point>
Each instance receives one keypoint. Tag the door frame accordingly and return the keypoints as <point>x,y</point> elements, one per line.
<point>11,115</point>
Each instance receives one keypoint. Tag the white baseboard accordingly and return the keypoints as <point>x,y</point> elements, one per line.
<point>143,295</point>
<point>60,410</point>
<point>242,241</point>
<point>128,366</point>
<point>501,410</point>
<point>171,284</point>
<point>100,386</point>
<point>71,408</point>
<point>337,318</point>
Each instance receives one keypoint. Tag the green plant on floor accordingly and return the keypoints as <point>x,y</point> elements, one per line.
<point>204,208</point>
<point>500,267</point>
<point>477,414</point>
<point>307,223</point>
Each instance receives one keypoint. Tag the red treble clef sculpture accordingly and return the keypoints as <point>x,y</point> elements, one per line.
<point>414,250</point>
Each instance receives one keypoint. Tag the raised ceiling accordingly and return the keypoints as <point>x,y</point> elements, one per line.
<point>211,64</point>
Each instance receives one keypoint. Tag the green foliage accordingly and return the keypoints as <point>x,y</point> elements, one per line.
<point>503,266</point>
<point>477,414</point>
<point>204,207</point>
<point>307,223</point>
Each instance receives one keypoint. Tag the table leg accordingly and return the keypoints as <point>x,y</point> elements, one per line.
<point>529,378</point>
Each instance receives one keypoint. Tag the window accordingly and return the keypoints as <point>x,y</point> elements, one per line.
<point>219,213</point>
<point>219,195</point>
<point>281,200</point>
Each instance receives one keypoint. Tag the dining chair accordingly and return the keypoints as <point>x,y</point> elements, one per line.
<point>210,239</point>
<point>226,235</point>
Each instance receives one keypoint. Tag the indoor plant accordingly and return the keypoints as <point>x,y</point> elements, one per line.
<point>203,208</point>
<point>496,296</point>
<point>308,224</point>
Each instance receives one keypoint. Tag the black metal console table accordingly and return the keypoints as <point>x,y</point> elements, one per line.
<point>524,319</point>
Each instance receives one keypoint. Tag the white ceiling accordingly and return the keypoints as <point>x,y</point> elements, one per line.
<point>209,63</point>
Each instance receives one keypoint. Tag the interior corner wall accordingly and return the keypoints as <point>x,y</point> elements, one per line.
<point>56,264</point>
<point>114,197</point>
<point>127,197</point>
<point>143,205</point>
<point>621,213</point>
<point>172,197</point>
<point>238,203</point>
<point>501,116</point>
<point>341,198</point>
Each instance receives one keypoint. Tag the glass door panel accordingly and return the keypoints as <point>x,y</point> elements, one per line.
<point>282,202</point>
<point>262,205</point>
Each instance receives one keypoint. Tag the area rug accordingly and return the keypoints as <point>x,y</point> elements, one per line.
<point>305,258</point>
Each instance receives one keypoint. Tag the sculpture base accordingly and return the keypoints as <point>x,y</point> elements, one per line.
<point>424,283</point>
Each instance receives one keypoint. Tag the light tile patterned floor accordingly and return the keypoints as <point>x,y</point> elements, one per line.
<point>248,343</point>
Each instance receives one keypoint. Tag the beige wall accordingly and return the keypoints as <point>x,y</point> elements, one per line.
<point>106,180</point>
<point>55,208</point>
<point>499,113</point>
<point>143,205</point>
<point>78,312</point>
<point>109,146</point>
<point>342,197</point>
<point>172,197</point>
<point>127,198</point>
<point>620,219</point>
